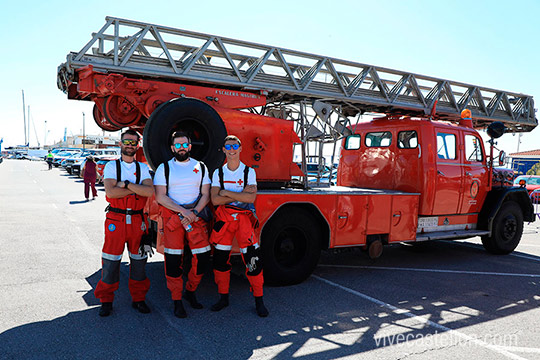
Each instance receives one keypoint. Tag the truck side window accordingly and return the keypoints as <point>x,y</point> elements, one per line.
<point>446,146</point>
<point>352,142</point>
<point>407,139</point>
<point>378,139</point>
<point>473,149</point>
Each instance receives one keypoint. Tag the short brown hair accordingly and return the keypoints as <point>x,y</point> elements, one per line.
<point>131,132</point>
<point>178,134</point>
<point>232,138</point>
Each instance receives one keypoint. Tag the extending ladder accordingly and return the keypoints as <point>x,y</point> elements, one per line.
<point>289,76</point>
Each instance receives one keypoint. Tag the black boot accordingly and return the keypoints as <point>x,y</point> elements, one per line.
<point>192,299</point>
<point>222,303</point>
<point>262,311</point>
<point>105,309</point>
<point>179,310</point>
<point>141,307</point>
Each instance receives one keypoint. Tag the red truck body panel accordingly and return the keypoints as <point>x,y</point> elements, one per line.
<point>351,214</point>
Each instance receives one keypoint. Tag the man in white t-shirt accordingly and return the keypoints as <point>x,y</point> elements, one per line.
<point>127,187</point>
<point>183,191</point>
<point>234,189</point>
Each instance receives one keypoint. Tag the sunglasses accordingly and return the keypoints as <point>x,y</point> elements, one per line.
<point>182,145</point>
<point>233,146</point>
<point>130,142</point>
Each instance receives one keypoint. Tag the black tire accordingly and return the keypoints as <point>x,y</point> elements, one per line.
<point>291,247</point>
<point>507,230</point>
<point>199,120</point>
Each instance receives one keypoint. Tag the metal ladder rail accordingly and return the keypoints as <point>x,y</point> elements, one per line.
<point>367,88</point>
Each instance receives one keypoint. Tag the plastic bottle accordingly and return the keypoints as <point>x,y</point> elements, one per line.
<point>187,227</point>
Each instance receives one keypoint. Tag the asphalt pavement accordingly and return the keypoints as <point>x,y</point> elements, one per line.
<point>434,300</point>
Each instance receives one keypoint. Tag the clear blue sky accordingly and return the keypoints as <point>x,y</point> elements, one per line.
<point>487,43</point>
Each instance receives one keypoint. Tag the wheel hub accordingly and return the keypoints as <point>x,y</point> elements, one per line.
<point>290,247</point>
<point>510,228</point>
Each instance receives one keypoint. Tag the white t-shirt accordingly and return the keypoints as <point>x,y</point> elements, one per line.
<point>234,180</point>
<point>127,171</point>
<point>184,180</point>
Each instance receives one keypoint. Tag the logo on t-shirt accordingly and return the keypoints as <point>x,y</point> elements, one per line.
<point>239,182</point>
<point>195,170</point>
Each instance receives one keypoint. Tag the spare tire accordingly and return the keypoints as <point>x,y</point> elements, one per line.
<point>199,120</point>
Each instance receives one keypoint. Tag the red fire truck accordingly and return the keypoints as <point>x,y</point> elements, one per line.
<point>419,171</point>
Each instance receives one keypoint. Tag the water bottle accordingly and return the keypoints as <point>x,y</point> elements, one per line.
<point>187,227</point>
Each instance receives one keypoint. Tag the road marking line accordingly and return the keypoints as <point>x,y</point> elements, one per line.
<point>532,257</point>
<point>520,349</point>
<point>431,270</point>
<point>476,246</point>
<point>405,312</point>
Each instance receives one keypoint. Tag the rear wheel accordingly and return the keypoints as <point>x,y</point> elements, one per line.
<point>199,120</point>
<point>291,247</point>
<point>507,230</point>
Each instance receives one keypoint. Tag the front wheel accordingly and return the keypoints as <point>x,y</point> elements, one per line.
<point>507,230</point>
<point>291,247</point>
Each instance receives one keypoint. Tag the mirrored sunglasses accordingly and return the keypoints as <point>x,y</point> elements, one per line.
<point>182,145</point>
<point>233,146</point>
<point>130,142</point>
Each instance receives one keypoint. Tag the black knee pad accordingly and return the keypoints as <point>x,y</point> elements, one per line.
<point>136,269</point>
<point>173,265</point>
<point>253,260</point>
<point>110,271</point>
<point>203,262</point>
<point>221,260</point>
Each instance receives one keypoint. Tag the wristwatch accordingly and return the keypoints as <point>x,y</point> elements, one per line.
<point>195,212</point>
<point>126,183</point>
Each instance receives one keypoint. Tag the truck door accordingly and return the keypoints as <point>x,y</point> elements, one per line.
<point>475,175</point>
<point>449,178</point>
<point>351,220</point>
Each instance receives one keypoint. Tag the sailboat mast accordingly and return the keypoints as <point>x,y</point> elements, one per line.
<point>24,116</point>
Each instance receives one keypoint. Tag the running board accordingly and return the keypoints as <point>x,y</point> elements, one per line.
<point>454,234</point>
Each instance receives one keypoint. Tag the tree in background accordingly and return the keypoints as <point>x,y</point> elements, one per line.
<point>535,169</point>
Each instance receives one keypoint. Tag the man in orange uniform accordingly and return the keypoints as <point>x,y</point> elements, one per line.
<point>127,186</point>
<point>183,190</point>
<point>234,189</point>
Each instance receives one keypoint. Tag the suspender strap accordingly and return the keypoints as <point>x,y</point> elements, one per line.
<point>220,175</point>
<point>246,172</point>
<point>166,170</point>
<point>119,171</point>
<point>203,171</point>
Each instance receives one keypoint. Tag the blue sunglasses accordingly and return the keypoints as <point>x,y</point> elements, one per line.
<point>233,146</point>
<point>182,145</point>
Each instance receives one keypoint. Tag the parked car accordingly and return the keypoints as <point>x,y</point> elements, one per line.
<point>61,155</point>
<point>531,182</point>
<point>101,165</point>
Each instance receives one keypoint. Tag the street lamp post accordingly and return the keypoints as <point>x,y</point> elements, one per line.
<point>83,132</point>
<point>45,137</point>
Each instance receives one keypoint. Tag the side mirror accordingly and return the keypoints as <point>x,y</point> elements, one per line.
<point>502,158</point>
<point>495,130</point>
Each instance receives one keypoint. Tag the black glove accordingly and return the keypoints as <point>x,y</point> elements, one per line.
<point>146,245</point>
